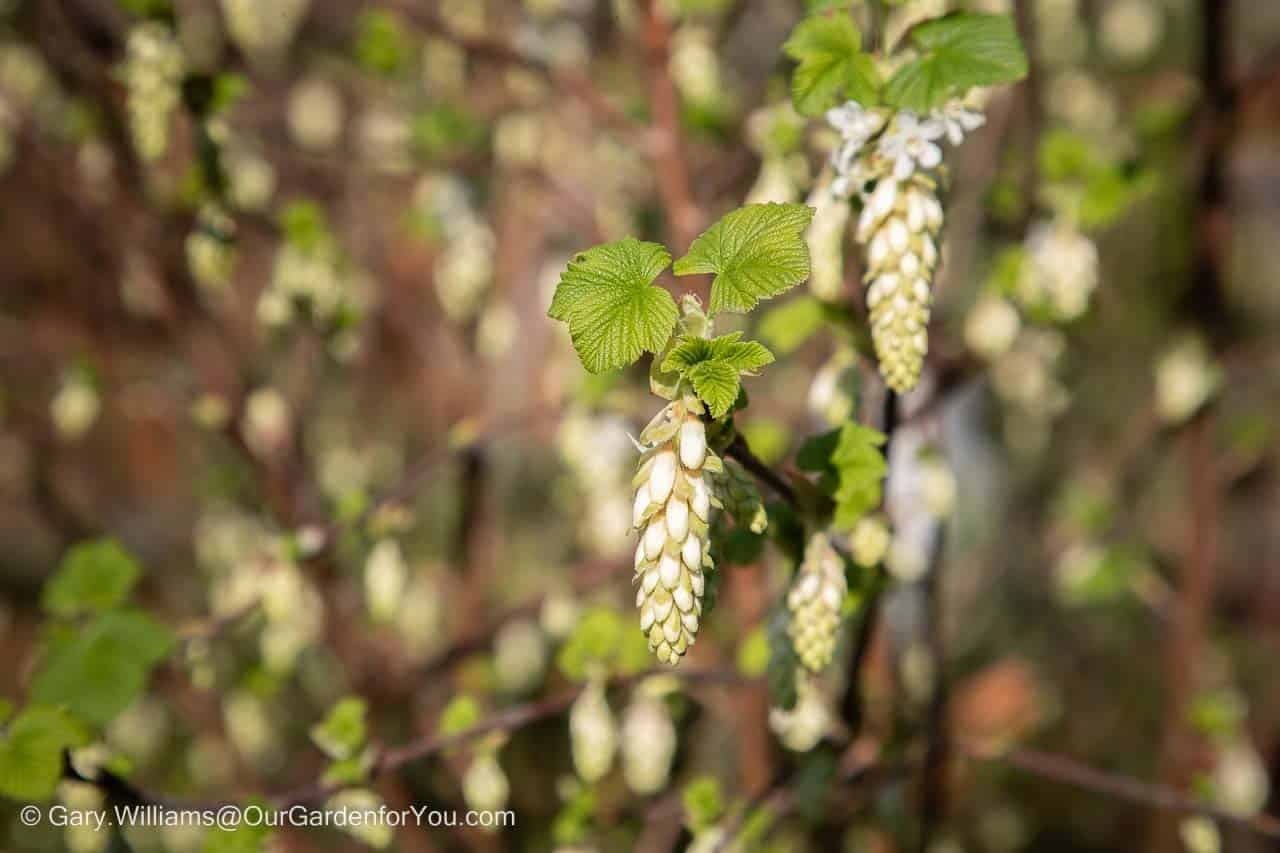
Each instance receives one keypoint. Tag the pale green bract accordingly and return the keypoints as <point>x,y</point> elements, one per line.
<point>715,367</point>
<point>613,311</point>
<point>831,66</point>
<point>756,253</point>
<point>957,53</point>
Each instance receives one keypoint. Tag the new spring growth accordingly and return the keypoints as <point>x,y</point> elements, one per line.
<point>648,736</point>
<point>672,509</point>
<point>815,600</point>
<point>593,734</point>
<point>886,157</point>
<point>153,73</point>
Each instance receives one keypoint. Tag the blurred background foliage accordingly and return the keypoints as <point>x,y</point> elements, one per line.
<point>274,281</point>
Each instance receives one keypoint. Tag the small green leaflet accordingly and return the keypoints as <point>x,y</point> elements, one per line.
<point>342,732</point>
<point>957,52</point>
<point>613,311</point>
<point>756,252</point>
<point>715,367</point>
<point>92,576</point>
<point>831,65</point>
<point>861,468</point>
<point>852,467</point>
<point>787,326</point>
<point>31,752</point>
<point>99,671</point>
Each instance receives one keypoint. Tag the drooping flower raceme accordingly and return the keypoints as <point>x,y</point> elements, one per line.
<point>648,741</point>
<point>672,508</point>
<point>593,734</point>
<point>153,74</point>
<point>1061,272</point>
<point>885,158</point>
<point>815,600</point>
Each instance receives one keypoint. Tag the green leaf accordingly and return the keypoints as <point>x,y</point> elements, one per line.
<point>957,52</point>
<point>228,88</point>
<point>613,311</point>
<point>342,732</point>
<point>740,355</point>
<point>304,224</point>
<point>861,468</point>
<point>703,802</point>
<point>787,326</point>
<point>714,367</point>
<point>831,65</point>
<point>92,576</point>
<point>717,385</point>
<point>460,714</point>
<point>381,45</point>
<point>852,467</point>
<point>99,671</point>
<point>31,752</point>
<point>780,674</point>
<point>756,252</point>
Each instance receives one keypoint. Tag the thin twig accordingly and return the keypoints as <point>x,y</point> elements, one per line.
<point>1071,772</point>
<point>739,450</point>
<point>667,147</point>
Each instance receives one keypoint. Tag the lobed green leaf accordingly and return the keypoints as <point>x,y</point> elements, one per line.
<point>92,576</point>
<point>831,64</point>
<point>99,671</point>
<point>957,52</point>
<point>756,252</point>
<point>613,311</point>
<point>31,752</point>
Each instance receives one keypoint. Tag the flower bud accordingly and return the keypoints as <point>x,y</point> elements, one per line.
<point>815,599</point>
<point>672,508</point>
<point>593,736</point>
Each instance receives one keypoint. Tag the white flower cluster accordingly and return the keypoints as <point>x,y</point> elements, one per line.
<point>310,281</point>
<point>211,254</point>
<point>815,599</point>
<point>484,784</point>
<point>593,733</point>
<point>648,739</point>
<point>805,725</point>
<point>263,30</point>
<point>1186,378</point>
<point>463,269</point>
<point>885,157</point>
<point>1061,271</point>
<point>672,509</point>
<point>520,655</point>
<point>75,407</point>
<point>869,541</point>
<point>599,453</point>
<point>153,75</point>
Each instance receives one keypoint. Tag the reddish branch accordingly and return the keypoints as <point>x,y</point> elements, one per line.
<point>1184,649</point>
<point>667,144</point>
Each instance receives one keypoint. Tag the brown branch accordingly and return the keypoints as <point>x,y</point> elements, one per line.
<point>1160,797</point>
<point>739,451</point>
<point>505,720</point>
<point>667,145</point>
<point>577,84</point>
<point>1206,305</point>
